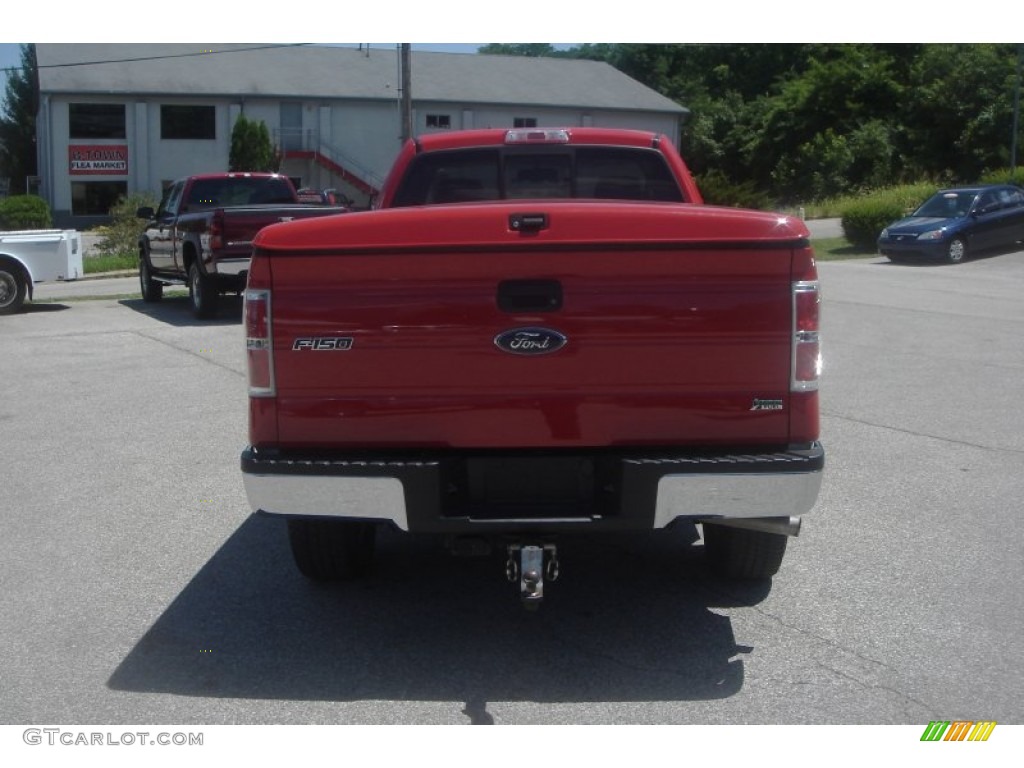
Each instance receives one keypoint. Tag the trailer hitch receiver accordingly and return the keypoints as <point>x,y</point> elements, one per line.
<point>530,565</point>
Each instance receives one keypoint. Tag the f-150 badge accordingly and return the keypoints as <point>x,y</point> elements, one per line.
<point>764,404</point>
<point>530,341</point>
<point>323,344</point>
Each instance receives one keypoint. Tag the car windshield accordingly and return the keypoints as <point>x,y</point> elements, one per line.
<point>947,205</point>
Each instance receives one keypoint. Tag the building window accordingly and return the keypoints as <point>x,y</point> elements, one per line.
<point>188,122</point>
<point>95,198</point>
<point>524,122</point>
<point>439,121</point>
<point>96,121</point>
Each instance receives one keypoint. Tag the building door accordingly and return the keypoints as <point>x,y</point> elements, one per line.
<point>291,126</point>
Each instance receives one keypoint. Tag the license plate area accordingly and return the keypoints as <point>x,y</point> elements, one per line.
<point>514,487</point>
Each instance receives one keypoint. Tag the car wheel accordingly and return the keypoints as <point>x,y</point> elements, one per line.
<point>13,287</point>
<point>203,293</point>
<point>152,291</point>
<point>332,550</point>
<point>741,554</point>
<point>956,250</point>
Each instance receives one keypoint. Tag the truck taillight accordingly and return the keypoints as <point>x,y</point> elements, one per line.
<point>806,344</point>
<point>217,230</point>
<point>259,343</point>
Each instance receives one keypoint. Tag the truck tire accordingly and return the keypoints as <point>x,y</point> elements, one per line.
<point>203,292</point>
<point>332,550</point>
<point>152,291</point>
<point>13,287</point>
<point>740,554</point>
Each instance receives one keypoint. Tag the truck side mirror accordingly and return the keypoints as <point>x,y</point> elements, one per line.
<point>144,213</point>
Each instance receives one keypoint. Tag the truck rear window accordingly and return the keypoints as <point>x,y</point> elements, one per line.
<point>608,173</point>
<point>237,191</point>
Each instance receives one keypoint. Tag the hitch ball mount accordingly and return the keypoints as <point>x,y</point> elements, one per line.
<point>530,565</point>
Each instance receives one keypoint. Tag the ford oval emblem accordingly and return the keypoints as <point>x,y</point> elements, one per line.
<point>530,341</point>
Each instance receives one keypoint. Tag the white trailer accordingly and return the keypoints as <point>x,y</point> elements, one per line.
<point>32,256</point>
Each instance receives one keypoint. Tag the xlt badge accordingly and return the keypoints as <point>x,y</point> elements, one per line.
<point>530,341</point>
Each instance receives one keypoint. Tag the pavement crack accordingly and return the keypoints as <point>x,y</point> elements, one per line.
<point>916,433</point>
<point>193,353</point>
<point>859,678</point>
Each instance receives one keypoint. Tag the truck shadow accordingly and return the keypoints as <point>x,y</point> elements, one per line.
<point>628,620</point>
<point>177,311</point>
<point>44,305</point>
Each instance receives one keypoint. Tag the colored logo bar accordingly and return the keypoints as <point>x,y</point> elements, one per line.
<point>958,730</point>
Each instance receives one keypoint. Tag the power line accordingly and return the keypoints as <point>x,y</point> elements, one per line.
<point>193,54</point>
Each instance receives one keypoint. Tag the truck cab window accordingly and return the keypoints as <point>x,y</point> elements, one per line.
<point>451,177</point>
<point>624,174</point>
<point>538,175</point>
<point>170,201</point>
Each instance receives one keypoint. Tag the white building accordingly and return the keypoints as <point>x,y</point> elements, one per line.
<point>122,118</point>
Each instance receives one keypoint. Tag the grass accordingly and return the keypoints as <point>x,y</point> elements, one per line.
<point>839,248</point>
<point>175,293</point>
<point>909,196</point>
<point>112,263</point>
<point>822,209</point>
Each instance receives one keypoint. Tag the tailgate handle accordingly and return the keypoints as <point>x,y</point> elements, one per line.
<point>529,296</point>
<point>528,222</point>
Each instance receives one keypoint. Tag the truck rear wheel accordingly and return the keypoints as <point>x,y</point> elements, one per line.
<point>13,287</point>
<point>741,554</point>
<point>203,293</point>
<point>331,550</point>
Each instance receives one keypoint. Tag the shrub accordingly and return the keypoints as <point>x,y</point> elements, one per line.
<point>717,189</point>
<point>121,236</point>
<point>25,212</point>
<point>864,219</point>
<point>1004,176</point>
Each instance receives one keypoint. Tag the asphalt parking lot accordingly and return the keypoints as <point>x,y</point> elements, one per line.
<point>138,588</point>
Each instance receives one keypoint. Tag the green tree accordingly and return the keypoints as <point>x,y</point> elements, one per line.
<point>809,130</point>
<point>799,121</point>
<point>18,122</point>
<point>251,147</point>
<point>517,49</point>
<point>959,110</point>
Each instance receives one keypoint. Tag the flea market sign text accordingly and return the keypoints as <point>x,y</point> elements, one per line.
<point>111,159</point>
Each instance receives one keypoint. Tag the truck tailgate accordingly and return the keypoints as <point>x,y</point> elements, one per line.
<point>391,328</point>
<point>238,226</point>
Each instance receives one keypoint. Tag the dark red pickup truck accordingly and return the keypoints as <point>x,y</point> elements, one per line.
<point>201,234</point>
<point>539,333</point>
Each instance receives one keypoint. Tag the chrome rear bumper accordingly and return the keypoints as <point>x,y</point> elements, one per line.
<point>624,491</point>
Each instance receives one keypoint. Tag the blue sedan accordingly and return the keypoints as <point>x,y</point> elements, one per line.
<point>955,222</point>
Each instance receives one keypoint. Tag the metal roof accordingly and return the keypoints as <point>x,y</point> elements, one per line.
<point>326,72</point>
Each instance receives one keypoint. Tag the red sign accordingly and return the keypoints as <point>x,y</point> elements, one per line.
<point>96,159</point>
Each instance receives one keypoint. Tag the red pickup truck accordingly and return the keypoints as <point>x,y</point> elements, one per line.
<point>539,333</point>
<point>201,234</point>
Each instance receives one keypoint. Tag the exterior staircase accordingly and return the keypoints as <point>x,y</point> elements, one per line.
<point>347,176</point>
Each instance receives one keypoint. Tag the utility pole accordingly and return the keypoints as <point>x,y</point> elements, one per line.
<point>1016,114</point>
<point>406,66</point>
